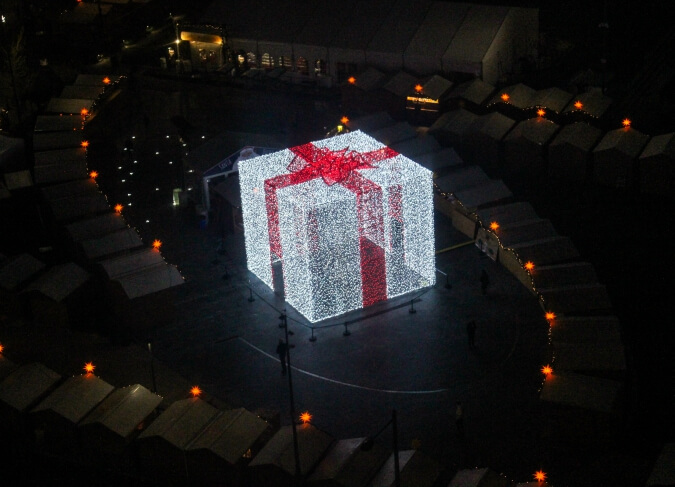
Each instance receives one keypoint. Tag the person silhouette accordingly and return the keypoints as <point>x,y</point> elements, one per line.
<point>282,352</point>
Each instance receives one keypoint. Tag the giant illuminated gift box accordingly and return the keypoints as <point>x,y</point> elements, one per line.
<point>349,220</point>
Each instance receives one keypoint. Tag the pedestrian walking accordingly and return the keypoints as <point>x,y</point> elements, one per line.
<point>471,333</point>
<point>282,352</point>
<point>484,282</point>
<point>459,418</point>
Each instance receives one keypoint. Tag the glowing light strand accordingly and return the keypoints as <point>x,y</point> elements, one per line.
<point>345,220</point>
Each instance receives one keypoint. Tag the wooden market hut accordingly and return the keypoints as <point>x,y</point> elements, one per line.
<point>108,432</point>
<point>346,464</point>
<point>484,140</point>
<point>56,417</point>
<point>552,100</point>
<point>615,156</point>
<point>372,122</point>
<point>57,166</point>
<point>60,295</point>
<point>571,289</point>
<point>58,123</point>
<point>16,272</point>
<point>542,251</point>
<point>416,469</point>
<point>162,447</point>
<point>478,477</point>
<point>526,146</point>
<point>608,360</point>
<point>656,166</point>
<point>471,95</point>
<point>47,141</point>
<point>12,153</point>
<point>394,134</point>
<point>76,207</point>
<point>514,100</point>
<point>417,146</point>
<point>22,389</point>
<point>587,106</point>
<point>274,465</point>
<point>440,162</point>
<point>110,244</point>
<point>570,152</point>
<point>220,453</point>
<point>595,330</point>
<point>663,473</point>
<point>452,127</point>
<point>140,289</point>
<point>6,367</point>
<point>69,106</point>
<point>95,227</point>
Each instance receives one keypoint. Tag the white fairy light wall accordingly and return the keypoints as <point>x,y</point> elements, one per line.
<point>350,221</point>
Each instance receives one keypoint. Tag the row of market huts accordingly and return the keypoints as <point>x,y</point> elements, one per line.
<point>548,132</point>
<point>97,261</point>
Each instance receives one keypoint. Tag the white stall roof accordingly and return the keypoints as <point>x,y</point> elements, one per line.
<point>395,133</point>
<point>436,87</point>
<point>663,472</point>
<point>18,180</point>
<point>586,329</point>
<point>17,270</point>
<point>494,125</point>
<point>95,227</point>
<point>26,385</point>
<point>58,123</point>
<point>66,170</point>
<point>478,477</point>
<point>372,122</point>
<point>431,41</point>
<point>150,280</point>
<point>417,146</point>
<point>589,357</point>
<point>346,464</point>
<point>473,38</point>
<point>131,262</point>
<point>47,141</point>
<point>81,92</point>
<point>80,206</point>
<point>4,192</point>
<point>579,134</point>
<point>475,91</point>
<point>60,281</point>
<point>564,274</point>
<point>318,33</point>
<point>538,130</point>
<point>365,19</point>
<point>550,250</point>
<point>660,145</point>
<point>71,188</point>
<point>461,179</point>
<point>435,161</point>
<point>11,150</point>
<point>627,141</point>
<point>123,410</point>
<point>230,434</point>
<point>593,103</point>
<point>401,84</point>
<point>552,98</point>
<point>181,422</point>
<point>489,192</point>
<point>581,391</point>
<point>49,157</point>
<point>370,79</point>
<point>577,298</point>
<point>95,79</point>
<point>519,95</point>
<point>313,444</point>
<point>111,243</point>
<point>76,397</point>
<point>414,465</point>
<point>508,214</point>
<point>72,106</point>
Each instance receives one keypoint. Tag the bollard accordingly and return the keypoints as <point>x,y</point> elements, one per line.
<point>346,333</point>
<point>447,282</point>
<point>250,295</point>
<point>412,309</point>
<point>312,338</point>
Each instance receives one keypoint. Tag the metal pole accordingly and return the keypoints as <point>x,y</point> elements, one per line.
<point>296,450</point>
<point>394,427</point>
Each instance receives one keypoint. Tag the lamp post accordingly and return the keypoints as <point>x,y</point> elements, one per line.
<point>152,367</point>
<point>296,450</point>
<point>368,444</point>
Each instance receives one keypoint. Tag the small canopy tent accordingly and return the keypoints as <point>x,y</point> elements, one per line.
<point>223,448</point>
<point>60,295</point>
<point>346,464</point>
<point>71,208</point>
<point>614,158</point>
<point>58,123</point>
<point>484,139</point>
<point>70,188</point>
<point>108,431</point>
<point>591,103</point>
<point>525,147</point>
<point>162,447</point>
<point>18,270</point>
<point>372,122</point>
<point>56,166</point>
<point>518,96</point>
<point>440,162</point>
<point>471,94</point>
<point>21,390</point>
<point>59,413</point>
<point>394,134</point>
<point>552,99</point>
<point>95,227</point>
<point>569,153</point>
<point>417,146</point>
<point>111,244</point>
<point>656,166</point>
<point>415,467</point>
<point>274,465</point>
<point>478,477</point>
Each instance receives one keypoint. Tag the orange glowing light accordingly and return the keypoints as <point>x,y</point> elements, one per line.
<point>494,226</point>
<point>1,347</point>
<point>93,174</point>
<point>89,367</point>
<point>305,417</point>
<point>351,80</point>
<point>505,96</point>
<point>550,315</point>
<point>84,112</point>
<point>539,476</point>
<point>626,122</point>
<point>546,370</point>
<point>529,265</point>
<point>157,244</point>
<point>578,105</point>
<point>418,88</point>
<point>84,144</point>
<point>118,208</point>
<point>344,120</point>
<point>195,391</point>
<point>106,80</point>
<point>541,112</point>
